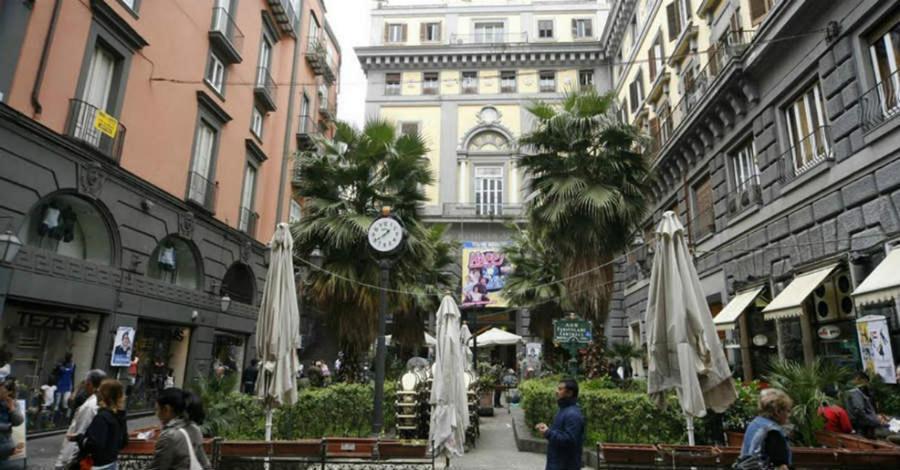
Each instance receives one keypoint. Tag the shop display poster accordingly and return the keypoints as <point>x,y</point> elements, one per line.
<point>875,347</point>
<point>123,347</point>
<point>484,271</point>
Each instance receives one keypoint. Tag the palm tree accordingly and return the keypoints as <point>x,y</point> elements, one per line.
<point>344,185</point>
<point>624,353</point>
<point>589,187</point>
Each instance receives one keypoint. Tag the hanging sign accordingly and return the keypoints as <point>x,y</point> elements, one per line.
<point>122,347</point>
<point>572,330</point>
<point>829,332</point>
<point>875,347</point>
<point>106,124</point>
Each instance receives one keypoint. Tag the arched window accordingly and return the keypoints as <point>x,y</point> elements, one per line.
<point>70,226</point>
<point>488,141</point>
<point>239,283</point>
<point>175,261</point>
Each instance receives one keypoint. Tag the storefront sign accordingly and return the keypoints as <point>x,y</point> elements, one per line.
<point>122,347</point>
<point>54,322</point>
<point>760,340</point>
<point>829,332</point>
<point>572,331</point>
<point>875,347</point>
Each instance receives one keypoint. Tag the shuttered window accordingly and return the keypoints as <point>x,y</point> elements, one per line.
<point>430,32</point>
<point>394,33</point>
<point>582,28</point>
<point>704,221</point>
<point>758,10</point>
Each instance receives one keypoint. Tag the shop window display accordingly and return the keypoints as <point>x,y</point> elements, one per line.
<point>239,284</point>
<point>228,355</point>
<point>159,360</point>
<point>69,226</point>
<point>174,261</point>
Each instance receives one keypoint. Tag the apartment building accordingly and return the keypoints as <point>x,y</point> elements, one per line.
<point>461,74</point>
<point>146,155</point>
<point>773,138</point>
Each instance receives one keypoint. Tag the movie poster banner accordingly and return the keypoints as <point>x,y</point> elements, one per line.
<point>484,271</point>
<point>875,347</point>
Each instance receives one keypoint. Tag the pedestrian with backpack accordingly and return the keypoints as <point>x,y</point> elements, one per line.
<point>765,443</point>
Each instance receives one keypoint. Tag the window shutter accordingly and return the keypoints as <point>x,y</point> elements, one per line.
<point>758,10</point>
<point>423,32</point>
<point>589,28</point>
<point>574,28</point>
<point>651,56</point>
<point>403,30</point>
<point>654,128</point>
<point>632,94</point>
<point>672,16</point>
<point>387,32</point>
<point>438,33</point>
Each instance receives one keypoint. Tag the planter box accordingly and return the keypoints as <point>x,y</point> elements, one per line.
<point>734,439</point>
<point>728,455</point>
<point>851,441</point>
<point>629,453</point>
<point>298,448</point>
<point>885,458</point>
<point>815,457</point>
<point>245,448</point>
<point>400,450</point>
<point>139,447</point>
<point>689,455</point>
<point>357,448</point>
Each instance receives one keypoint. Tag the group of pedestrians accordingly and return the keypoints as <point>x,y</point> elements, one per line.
<point>99,430</point>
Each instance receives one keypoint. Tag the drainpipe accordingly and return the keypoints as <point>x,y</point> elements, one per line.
<point>48,41</point>
<point>289,127</point>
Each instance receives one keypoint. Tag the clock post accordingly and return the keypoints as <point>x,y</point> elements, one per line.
<point>386,239</point>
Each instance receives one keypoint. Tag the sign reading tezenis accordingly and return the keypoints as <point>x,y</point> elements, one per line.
<point>54,322</point>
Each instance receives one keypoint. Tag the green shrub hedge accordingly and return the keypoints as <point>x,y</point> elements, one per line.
<point>616,415</point>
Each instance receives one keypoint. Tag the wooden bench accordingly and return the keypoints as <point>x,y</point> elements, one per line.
<point>840,440</point>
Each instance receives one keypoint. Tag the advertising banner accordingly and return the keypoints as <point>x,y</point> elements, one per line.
<point>123,347</point>
<point>484,271</point>
<point>875,347</point>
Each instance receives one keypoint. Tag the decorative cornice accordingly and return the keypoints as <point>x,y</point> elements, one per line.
<point>210,104</point>
<point>479,56</point>
<point>255,150</point>
<point>117,25</point>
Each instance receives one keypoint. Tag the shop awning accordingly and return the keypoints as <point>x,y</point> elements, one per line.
<point>789,303</point>
<point>883,285</point>
<point>727,318</point>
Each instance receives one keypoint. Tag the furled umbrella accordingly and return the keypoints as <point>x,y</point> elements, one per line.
<point>464,336</point>
<point>684,349</point>
<point>278,329</point>
<point>450,413</point>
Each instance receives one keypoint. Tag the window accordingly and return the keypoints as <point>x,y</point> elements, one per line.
<point>322,94</point>
<point>296,212</point>
<point>430,83</point>
<point>215,73</point>
<point>256,122</point>
<point>263,76</point>
<point>313,30</point>
<point>678,14</point>
<point>395,33</point>
<point>392,84</point>
<point>96,95</point>
<point>617,66</point>
<point>488,190</point>
<point>247,220</point>
<point>489,32</point>
<point>409,128</point>
<point>759,9</point>
<point>470,82</point>
<point>582,28</point>
<point>545,29</point>
<point>704,221</point>
<point>745,169</point>
<point>884,55</point>
<point>430,32</point>
<point>508,81</point>
<point>806,129</point>
<point>200,187</point>
<point>131,4</point>
<point>547,81</point>
<point>586,79</point>
<point>622,112</point>
<point>636,91</point>
<point>632,31</point>
<point>664,113</point>
<point>656,58</point>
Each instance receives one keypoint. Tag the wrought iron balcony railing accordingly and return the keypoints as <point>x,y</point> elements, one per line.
<point>202,191</point>
<point>225,36</point>
<point>747,194</point>
<point>328,109</point>
<point>703,224</point>
<point>808,153</point>
<point>265,88</point>
<point>489,38</point>
<point>95,127</point>
<point>284,14</point>
<point>483,211</point>
<point>307,131</point>
<point>247,222</point>
<point>882,102</point>
<point>320,58</point>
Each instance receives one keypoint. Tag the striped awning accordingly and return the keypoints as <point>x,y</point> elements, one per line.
<point>883,284</point>
<point>789,303</point>
<point>728,317</point>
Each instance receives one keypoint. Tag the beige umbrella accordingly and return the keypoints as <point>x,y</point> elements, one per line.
<point>464,336</point>
<point>684,349</point>
<point>450,413</point>
<point>278,328</point>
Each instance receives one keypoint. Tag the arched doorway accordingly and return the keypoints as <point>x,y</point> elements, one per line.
<point>175,260</point>
<point>70,226</point>
<point>239,284</point>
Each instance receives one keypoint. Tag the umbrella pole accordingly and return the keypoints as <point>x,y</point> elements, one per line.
<point>268,429</point>
<point>690,429</point>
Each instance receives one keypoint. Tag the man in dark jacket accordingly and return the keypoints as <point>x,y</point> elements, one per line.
<point>565,437</point>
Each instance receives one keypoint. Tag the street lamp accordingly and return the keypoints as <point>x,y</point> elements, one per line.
<point>225,302</point>
<point>9,244</point>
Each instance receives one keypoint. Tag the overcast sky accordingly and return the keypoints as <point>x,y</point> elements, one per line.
<point>350,21</point>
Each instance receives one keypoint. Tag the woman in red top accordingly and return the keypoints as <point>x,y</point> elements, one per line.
<point>836,417</point>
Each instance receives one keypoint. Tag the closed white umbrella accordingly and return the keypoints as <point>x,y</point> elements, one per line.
<point>498,337</point>
<point>450,413</point>
<point>278,328</point>
<point>684,349</point>
<point>464,336</point>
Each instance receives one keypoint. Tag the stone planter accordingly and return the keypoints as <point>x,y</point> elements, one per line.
<point>876,458</point>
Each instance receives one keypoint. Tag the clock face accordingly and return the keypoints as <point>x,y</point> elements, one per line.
<point>385,234</point>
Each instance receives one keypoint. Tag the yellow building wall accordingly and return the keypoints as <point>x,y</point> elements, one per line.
<point>450,82</point>
<point>510,118</point>
<point>411,83</point>
<point>562,27</point>
<point>429,119</point>
<point>528,81</point>
<point>413,28</point>
<point>566,80</point>
<point>488,82</point>
<point>465,29</point>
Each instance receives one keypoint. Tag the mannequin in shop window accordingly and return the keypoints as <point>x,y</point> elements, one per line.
<point>167,261</point>
<point>64,373</point>
<point>57,223</point>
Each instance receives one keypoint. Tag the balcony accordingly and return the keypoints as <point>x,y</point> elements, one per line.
<point>265,89</point>
<point>320,58</point>
<point>747,195</point>
<point>284,15</point>
<point>881,103</point>
<point>809,152</point>
<point>489,38</point>
<point>248,221</point>
<point>225,37</point>
<point>96,128</point>
<point>327,110</point>
<point>684,44</point>
<point>486,212</point>
<point>703,224</point>
<point>307,133</point>
<point>202,191</point>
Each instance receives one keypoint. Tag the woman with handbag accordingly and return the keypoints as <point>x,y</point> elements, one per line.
<point>765,445</point>
<point>175,449</point>
<point>108,432</point>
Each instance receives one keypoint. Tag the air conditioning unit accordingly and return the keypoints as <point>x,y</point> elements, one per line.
<point>831,300</point>
<point>843,286</point>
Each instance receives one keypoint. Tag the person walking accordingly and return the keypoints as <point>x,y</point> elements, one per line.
<point>194,415</point>
<point>765,441</point>
<point>249,377</point>
<point>10,417</point>
<point>84,415</point>
<point>108,432</point>
<point>174,450</point>
<point>565,437</point>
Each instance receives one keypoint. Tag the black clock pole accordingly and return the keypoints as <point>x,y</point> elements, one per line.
<point>378,415</point>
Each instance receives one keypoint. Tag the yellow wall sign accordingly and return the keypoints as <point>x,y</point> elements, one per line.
<point>106,124</point>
